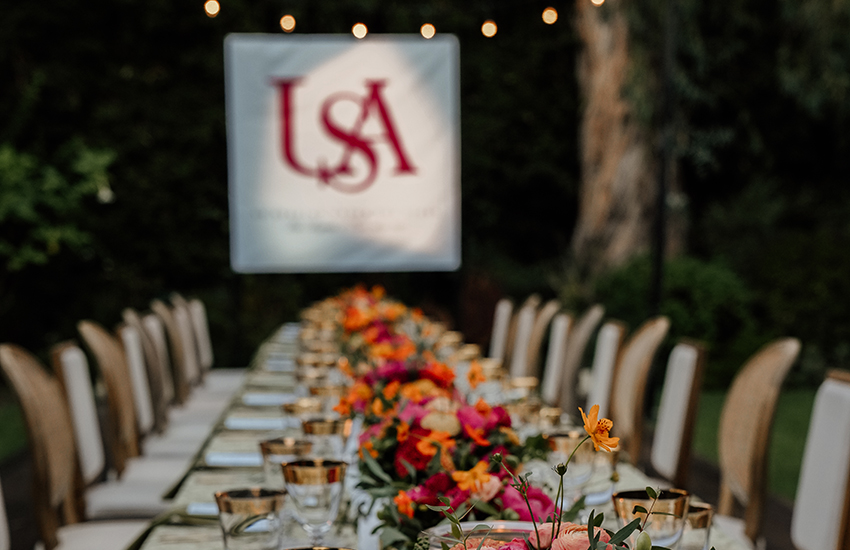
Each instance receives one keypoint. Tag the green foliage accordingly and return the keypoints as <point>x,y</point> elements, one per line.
<point>704,301</point>
<point>40,204</point>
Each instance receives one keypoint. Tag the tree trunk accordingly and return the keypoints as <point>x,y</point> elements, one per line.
<point>618,188</point>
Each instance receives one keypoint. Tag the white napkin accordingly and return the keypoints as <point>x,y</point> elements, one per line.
<point>264,399</point>
<point>214,458</point>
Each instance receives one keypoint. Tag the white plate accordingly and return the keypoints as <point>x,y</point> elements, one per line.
<point>266,399</point>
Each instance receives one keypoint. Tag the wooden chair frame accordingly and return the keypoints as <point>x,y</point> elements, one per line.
<point>577,342</point>
<point>538,333</point>
<point>57,482</point>
<point>178,358</point>
<point>630,379</point>
<point>745,428</point>
<point>155,370</point>
<point>112,364</point>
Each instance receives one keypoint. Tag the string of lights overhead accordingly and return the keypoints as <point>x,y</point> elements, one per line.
<point>427,30</point>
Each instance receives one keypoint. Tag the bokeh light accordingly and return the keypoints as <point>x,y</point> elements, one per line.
<point>212,8</point>
<point>550,15</point>
<point>489,28</point>
<point>598,2</point>
<point>427,30</point>
<point>359,30</point>
<point>287,23</point>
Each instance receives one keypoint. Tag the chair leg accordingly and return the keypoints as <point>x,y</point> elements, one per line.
<point>726,501</point>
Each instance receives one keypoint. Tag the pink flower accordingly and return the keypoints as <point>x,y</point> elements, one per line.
<point>435,486</point>
<point>541,505</point>
<point>574,537</point>
<point>545,531</point>
<point>371,433</point>
<point>469,416</point>
<point>516,544</point>
<point>412,413</point>
<point>391,370</point>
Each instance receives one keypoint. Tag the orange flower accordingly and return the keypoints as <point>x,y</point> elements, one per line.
<point>428,445</point>
<point>599,430</point>
<point>404,503</point>
<point>377,407</point>
<point>419,390</point>
<point>356,319</point>
<point>402,432</point>
<point>343,408</point>
<point>360,391</point>
<point>369,448</point>
<point>477,435</point>
<point>391,390</point>
<point>475,375</point>
<point>345,367</point>
<point>441,374</point>
<point>403,351</point>
<point>371,334</point>
<point>416,314</point>
<point>378,292</point>
<point>473,479</point>
<point>483,408</point>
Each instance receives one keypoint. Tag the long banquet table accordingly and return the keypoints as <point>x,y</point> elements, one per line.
<point>230,459</point>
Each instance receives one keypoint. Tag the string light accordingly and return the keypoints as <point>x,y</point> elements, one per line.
<point>550,15</point>
<point>212,8</point>
<point>287,23</point>
<point>359,30</point>
<point>427,30</point>
<point>489,28</point>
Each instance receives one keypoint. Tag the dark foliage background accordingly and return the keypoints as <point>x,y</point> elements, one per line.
<point>763,139</point>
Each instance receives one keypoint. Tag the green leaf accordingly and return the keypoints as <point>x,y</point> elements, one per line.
<point>390,535</point>
<point>375,468</point>
<point>638,509</point>
<point>651,493</point>
<point>625,532</point>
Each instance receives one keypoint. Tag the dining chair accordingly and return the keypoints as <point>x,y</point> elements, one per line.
<point>554,369</point>
<point>519,346</point>
<point>538,333</point>
<point>821,517</point>
<point>215,380</point>
<point>630,380</point>
<point>671,446</point>
<point>532,302</point>
<point>153,327</point>
<point>189,412</point>
<point>744,432</point>
<point>136,493</point>
<point>123,434</point>
<point>579,337</point>
<point>176,354</point>
<point>501,325</point>
<point>157,382</point>
<point>604,362</point>
<point>178,440</point>
<point>57,483</point>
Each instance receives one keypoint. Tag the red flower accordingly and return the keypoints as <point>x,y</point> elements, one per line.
<point>407,451</point>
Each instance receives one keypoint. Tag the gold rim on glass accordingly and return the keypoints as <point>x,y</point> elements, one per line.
<point>302,405</point>
<point>326,425</point>
<point>286,446</point>
<point>254,501</point>
<point>318,471</point>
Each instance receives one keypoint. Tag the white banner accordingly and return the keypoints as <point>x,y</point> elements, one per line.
<point>344,154</point>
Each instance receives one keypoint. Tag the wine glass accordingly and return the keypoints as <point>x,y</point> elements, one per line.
<point>582,464</point>
<point>667,515</point>
<point>250,519</point>
<point>279,450</point>
<point>328,434</point>
<point>316,487</point>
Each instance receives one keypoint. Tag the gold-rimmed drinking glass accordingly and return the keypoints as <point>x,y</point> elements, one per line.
<point>697,533</point>
<point>329,434</point>
<point>279,450</point>
<point>316,487</point>
<point>668,514</point>
<point>303,406</point>
<point>250,519</point>
<point>565,444</point>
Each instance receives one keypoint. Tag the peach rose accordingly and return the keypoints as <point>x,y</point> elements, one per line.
<point>575,537</point>
<point>488,490</point>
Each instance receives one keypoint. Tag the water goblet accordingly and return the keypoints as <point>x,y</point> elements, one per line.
<point>250,519</point>
<point>580,469</point>
<point>668,514</point>
<point>279,450</point>
<point>328,434</point>
<point>316,487</point>
<point>698,527</point>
